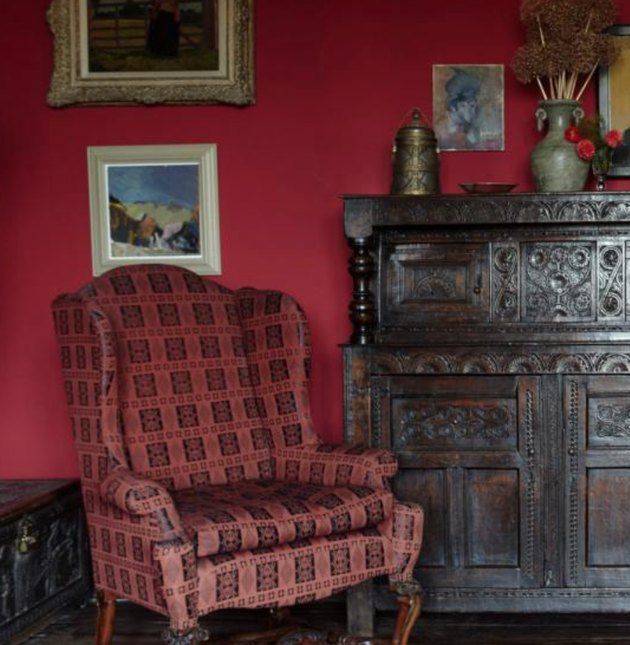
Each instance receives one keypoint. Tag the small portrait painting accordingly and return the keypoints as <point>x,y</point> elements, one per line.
<point>468,107</point>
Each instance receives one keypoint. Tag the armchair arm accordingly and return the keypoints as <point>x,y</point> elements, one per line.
<point>336,465</point>
<point>143,497</point>
<point>147,515</point>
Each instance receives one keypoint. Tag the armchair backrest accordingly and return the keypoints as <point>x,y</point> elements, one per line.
<point>182,380</point>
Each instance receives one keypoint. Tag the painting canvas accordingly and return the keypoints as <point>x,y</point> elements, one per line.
<point>152,51</point>
<point>139,36</point>
<point>154,204</point>
<point>614,99</point>
<point>468,105</point>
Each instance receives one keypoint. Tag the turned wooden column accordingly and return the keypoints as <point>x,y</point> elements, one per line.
<point>361,310</point>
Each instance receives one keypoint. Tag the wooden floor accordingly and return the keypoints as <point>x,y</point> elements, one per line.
<point>137,626</point>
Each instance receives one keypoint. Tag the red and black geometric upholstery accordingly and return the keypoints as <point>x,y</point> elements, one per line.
<point>205,485</point>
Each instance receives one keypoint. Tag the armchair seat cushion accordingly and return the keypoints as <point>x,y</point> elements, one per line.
<point>259,514</point>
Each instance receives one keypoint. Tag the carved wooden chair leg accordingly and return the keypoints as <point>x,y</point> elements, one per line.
<point>409,605</point>
<point>106,614</point>
<point>190,637</point>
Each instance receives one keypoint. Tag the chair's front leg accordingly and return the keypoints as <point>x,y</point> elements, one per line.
<point>409,606</point>
<point>106,601</point>
<point>189,637</point>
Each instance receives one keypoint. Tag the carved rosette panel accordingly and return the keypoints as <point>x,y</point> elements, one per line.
<point>612,420</point>
<point>505,282</point>
<point>423,423</point>
<point>558,282</point>
<point>611,300</point>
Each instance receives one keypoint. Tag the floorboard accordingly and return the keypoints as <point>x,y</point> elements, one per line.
<point>138,626</point>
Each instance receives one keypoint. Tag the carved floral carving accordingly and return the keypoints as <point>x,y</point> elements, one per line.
<point>495,209</point>
<point>446,421</point>
<point>558,282</point>
<point>611,282</point>
<point>434,284</point>
<point>613,420</point>
<point>408,361</point>
<point>505,286</point>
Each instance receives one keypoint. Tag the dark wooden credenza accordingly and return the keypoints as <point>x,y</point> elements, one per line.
<point>491,352</point>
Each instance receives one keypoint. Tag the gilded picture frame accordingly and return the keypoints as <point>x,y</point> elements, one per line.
<point>154,204</point>
<point>614,99</point>
<point>104,52</point>
<point>468,107</point>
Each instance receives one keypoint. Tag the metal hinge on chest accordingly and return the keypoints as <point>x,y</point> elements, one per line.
<point>25,537</point>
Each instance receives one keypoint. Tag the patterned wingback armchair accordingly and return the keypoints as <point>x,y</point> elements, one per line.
<point>204,483</point>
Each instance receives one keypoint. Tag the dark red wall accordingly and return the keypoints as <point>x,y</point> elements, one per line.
<point>334,81</point>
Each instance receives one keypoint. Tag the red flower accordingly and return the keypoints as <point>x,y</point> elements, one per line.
<point>612,138</point>
<point>572,134</point>
<point>586,149</point>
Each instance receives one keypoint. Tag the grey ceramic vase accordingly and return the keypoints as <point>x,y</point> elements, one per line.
<point>556,166</point>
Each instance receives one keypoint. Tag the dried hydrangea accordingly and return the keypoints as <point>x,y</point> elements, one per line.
<point>564,39</point>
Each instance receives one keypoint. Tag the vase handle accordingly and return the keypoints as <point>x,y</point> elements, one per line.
<point>578,114</point>
<point>541,117</point>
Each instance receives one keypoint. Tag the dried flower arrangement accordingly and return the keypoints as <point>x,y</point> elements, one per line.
<point>566,41</point>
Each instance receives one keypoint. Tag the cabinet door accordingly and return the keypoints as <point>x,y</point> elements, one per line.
<point>434,283</point>
<point>468,448</point>
<point>597,480</point>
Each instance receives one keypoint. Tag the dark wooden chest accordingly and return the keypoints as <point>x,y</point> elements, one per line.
<point>43,556</point>
<point>491,352</point>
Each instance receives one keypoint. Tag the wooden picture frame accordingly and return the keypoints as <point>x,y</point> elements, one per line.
<point>614,100</point>
<point>117,52</point>
<point>155,204</point>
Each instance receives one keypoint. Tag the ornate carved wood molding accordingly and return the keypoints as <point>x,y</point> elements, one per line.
<point>448,360</point>
<point>364,213</point>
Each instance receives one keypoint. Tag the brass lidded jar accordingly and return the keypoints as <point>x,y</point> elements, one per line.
<point>416,166</point>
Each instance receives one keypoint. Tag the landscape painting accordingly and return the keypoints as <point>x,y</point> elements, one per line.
<point>153,210</point>
<point>154,204</point>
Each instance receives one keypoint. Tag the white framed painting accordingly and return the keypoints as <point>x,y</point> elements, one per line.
<point>155,204</point>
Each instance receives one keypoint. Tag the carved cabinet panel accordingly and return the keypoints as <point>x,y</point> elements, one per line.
<point>597,445</point>
<point>469,452</point>
<point>434,281</point>
<point>491,352</point>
